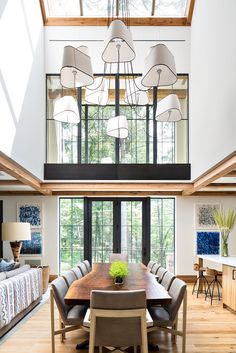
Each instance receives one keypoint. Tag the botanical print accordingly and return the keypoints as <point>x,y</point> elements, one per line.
<point>30,213</point>
<point>33,246</point>
<point>208,243</point>
<point>204,217</point>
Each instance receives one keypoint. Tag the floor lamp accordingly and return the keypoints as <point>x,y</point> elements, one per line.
<point>15,232</point>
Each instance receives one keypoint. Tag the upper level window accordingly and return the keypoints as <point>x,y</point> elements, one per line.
<point>148,141</point>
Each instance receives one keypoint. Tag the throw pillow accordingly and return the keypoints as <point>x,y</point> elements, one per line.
<point>6,266</point>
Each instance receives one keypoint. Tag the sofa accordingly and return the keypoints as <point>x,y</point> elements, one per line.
<point>20,291</point>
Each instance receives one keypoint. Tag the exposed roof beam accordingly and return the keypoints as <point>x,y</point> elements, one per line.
<point>15,170</point>
<point>231,174</point>
<point>221,185</point>
<point>10,182</point>
<point>221,169</point>
<point>189,11</point>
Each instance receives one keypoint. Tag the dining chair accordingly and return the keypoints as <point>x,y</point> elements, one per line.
<point>88,266</point>
<point>160,273</point>
<point>167,279</point>
<point>166,318</point>
<point>83,268</point>
<point>78,272</point>
<point>150,265</point>
<point>118,319</point>
<point>71,317</point>
<point>118,257</point>
<point>155,268</point>
<point>69,277</point>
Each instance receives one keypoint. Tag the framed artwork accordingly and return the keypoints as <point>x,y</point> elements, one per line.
<point>31,213</point>
<point>204,215</point>
<point>208,243</point>
<point>33,246</point>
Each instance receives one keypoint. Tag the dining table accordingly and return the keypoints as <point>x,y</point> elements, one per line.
<point>139,277</point>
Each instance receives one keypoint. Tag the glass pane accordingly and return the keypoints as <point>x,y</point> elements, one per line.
<point>71,232</point>
<point>131,230</point>
<point>163,232</point>
<point>97,8</point>
<point>62,8</point>
<point>170,8</point>
<point>102,230</point>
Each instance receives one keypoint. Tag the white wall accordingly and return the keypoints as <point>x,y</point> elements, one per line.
<point>176,38</point>
<point>22,84</point>
<point>212,84</point>
<point>185,229</point>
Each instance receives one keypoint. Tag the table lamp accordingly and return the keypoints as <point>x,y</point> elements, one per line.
<point>15,232</point>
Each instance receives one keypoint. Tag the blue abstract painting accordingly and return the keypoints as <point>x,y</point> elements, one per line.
<point>208,243</point>
<point>30,213</point>
<point>33,246</point>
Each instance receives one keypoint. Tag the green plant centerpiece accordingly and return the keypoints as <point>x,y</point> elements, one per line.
<point>225,221</point>
<point>118,271</point>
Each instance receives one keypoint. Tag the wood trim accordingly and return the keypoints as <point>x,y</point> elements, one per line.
<point>189,11</point>
<point>18,192</point>
<point>221,185</point>
<point>187,278</point>
<point>214,193</point>
<point>43,10</point>
<point>103,21</point>
<point>231,174</point>
<point>15,170</point>
<point>10,182</point>
<point>222,168</point>
<point>52,277</point>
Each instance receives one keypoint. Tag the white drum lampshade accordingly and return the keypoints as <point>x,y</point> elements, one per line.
<point>97,93</point>
<point>136,93</point>
<point>159,67</point>
<point>117,127</point>
<point>118,33</point>
<point>66,110</point>
<point>76,68</point>
<point>168,109</point>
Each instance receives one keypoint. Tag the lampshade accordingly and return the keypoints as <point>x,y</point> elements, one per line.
<point>117,127</point>
<point>159,67</point>
<point>136,93</point>
<point>66,110</point>
<point>97,93</point>
<point>168,109</point>
<point>76,68</point>
<point>16,231</point>
<point>118,33</point>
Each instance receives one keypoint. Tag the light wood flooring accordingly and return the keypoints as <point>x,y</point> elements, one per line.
<point>210,329</point>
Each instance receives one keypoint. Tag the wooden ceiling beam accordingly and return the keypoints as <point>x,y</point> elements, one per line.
<point>231,174</point>
<point>221,185</point>
<point>103,21</point>
<point>10,182</point>
<point>189,11</point>
<point>219,170</point>
<point>18,172</point>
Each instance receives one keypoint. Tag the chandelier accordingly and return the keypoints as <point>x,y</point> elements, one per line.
<point>118,49</point>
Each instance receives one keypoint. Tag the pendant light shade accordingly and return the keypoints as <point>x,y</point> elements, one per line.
<point>159,67</point>
<point>168,109</point>
<point>118,33</point>
<point>66,110</point>
<point>76,68</point>
<point>97,93</point>
<point>117,127</point>
<point>136,93</point>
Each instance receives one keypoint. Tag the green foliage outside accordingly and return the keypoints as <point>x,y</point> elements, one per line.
<point>118,269</point>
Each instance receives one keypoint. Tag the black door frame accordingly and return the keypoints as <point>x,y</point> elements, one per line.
<point>117,225</point>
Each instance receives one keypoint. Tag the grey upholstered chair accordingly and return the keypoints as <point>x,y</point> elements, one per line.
<point>118,257</point>
<point>167,279</point>
<point>78,272</point>
<point>118,319</point>
<point>155,268</point>
<point>88,266</point>
<point>160,273</point>
<point>83,268</point>
<point>70,316</point>
<point>69,277</point>
<point>151,264</point>
<point>166,318</point>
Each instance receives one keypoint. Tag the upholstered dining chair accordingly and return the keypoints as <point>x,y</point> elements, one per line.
<point>88,266</point>
<point>150,264</point>
<point>167,279</point>
<point>71,317</point>
<point>69,277</point>
<point>83,268</point>
<point>118,319</point>
<point>166,318</point>
<point>118,257</point>
<point>78,272</point>
<point>155,268</point>
<point>160,273</point>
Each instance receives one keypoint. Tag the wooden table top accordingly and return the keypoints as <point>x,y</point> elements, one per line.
<point>139,277</point>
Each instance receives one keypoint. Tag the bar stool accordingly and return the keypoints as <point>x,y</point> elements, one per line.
<point>201,284</point>
<point>214,289</point>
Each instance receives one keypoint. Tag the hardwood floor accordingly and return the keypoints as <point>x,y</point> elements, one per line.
<point>210,329</point>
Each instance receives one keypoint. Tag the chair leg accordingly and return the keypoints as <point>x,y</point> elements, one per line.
<point>92,332</point>
<point>52,321</point>
<point>184,322</point>
<point>175,327</point>
<point>63,334</point>
<point>144,333</point>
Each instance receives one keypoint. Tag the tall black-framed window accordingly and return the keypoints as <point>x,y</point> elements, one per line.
<point>92,228</point>
<point>149,142</point>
